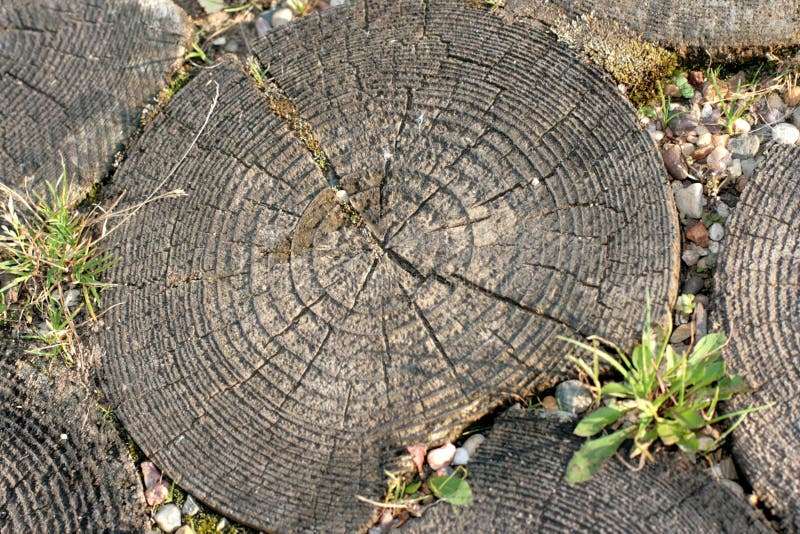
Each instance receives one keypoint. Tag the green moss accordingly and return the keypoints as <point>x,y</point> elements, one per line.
<point>630,60</point>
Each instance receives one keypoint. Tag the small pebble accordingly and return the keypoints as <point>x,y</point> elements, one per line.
<point>674,162</point>
<point>690,257</point>
<point>745,146</point>
<point>657,136</point>
<point>703,136</point>
<point>336,3</point>
<point>441,456</point>
<point>190,506</point>
<point>185,529</point>
<point>687,149</point>
<point>713,247</point>
<point>735,168</point>
<point>281,17</point>
<point>720,139</point>
<point>694,284</point>
<point>700,320</point>
<point>702,152</point>
<point>775,101</point>
<point>785,133</point>
<point>771,116</point>
<point>681,333</point>
<point>219,41</point>
<point>573,396</point>
<point>262,26</point>
<point>740,126</point>
<point>222,524</point>
<point>683,123</point>
<point>696,78</point>
<point>168,518</point>
<point>232,47</point>
<point>689,201</point>
<point>461,457</point>
<point>748,166</point>
<point>698,234</point>
<point>717,160</point>
<point>472,444</point>
<point>341,196</point>
<point>716,231</point>
<point>550,403</point>
<point>722,209</point>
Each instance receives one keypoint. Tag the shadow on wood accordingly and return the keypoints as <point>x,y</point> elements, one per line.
<point>275,354</point>
<point>758,286</point>
<point>74,80</point>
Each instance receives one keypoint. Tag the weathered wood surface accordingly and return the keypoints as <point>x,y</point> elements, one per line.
<point>59,472</point>
<point>276,358</point>
<point>714,25</point>
<point>74,77</point>
<point>758,288</point>
<point>518,486</point>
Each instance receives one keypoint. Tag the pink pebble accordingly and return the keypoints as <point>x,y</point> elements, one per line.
<point>441,457</point>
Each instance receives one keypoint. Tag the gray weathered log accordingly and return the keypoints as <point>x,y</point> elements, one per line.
<point>758,290</point>
<point>714,25</point>
<point>74,77</point>
<point>59,471</point>
<point>517,481</point>
<point>274,356</point>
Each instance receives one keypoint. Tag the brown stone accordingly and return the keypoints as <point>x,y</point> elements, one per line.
<point>698,234</point>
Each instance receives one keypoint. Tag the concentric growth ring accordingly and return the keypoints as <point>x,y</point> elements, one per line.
<point>758,283</point>
<point>275,352</point>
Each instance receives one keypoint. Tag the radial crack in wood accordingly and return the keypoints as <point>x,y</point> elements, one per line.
<point>758,286</point>
<point>508,198</point>
<point>717,26</point>
<point>517,480</point>
<point>75,77</point>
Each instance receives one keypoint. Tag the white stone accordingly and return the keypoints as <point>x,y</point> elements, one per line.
<point>190,506</point>
<point>335,3</point>
<point>168,518</point>
<point>740,126</point>
<point>748,166</point>
<point>461,457</point>
<point>713,247</point>
<point>723,209</point>
<point>441,456</point>
<point>281,17</point>
<point>690,257</point>
<point>716,232</point>
<point>341,196</point>
<point>689,201</point>
<point>472,443</point>
<point>785,133</point>
<point>735,168</point>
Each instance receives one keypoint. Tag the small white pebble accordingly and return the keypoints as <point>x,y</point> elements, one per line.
<point>472,443</point>
<point>64,437</point>
<point>441,456</point>
<point>461,457</point>
<point>716,232</point>
<point>741,126</point>
<point>342,197</point>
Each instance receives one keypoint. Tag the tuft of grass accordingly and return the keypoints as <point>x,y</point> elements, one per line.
<point>733,109</point>
<point>300,7</point>
<point>660,395</point>
<point>49,266</point>
<point>197,51</point>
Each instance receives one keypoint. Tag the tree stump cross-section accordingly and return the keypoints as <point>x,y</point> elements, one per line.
<point>758,285</point>
<point>274,352</point>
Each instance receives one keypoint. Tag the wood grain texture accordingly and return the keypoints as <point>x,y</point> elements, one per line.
<point>517,480</point>
<point>74,77</point>
<point>758,288</point>
<point>276,358</point>
<point>60,472</point>
<point>714,25</point>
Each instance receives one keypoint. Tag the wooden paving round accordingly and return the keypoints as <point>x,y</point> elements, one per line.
<point>58,471</point>
<point>714,25</point>
<point>517,481</point>
<point>75,76</point>
<point>758,288</point>
<point>273,354</point>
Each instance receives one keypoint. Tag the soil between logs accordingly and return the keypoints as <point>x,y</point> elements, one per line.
<point>275,355</point>
<point>74,80</point>
<point>758,286</point>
